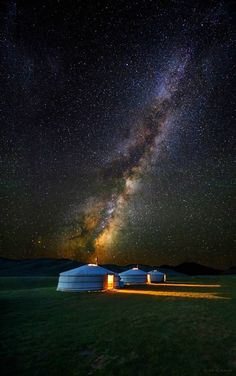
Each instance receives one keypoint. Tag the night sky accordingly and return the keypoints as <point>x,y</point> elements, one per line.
<point>118,131</point>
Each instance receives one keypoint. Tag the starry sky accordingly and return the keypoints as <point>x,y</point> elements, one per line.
<point>118,131</point>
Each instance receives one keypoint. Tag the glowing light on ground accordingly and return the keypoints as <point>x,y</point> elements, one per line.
<point>184,285</point>
<point>173,294</point>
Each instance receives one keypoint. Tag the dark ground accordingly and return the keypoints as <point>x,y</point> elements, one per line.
<point>176,329</point>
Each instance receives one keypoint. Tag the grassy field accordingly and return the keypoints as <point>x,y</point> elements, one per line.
<point>182,328</point>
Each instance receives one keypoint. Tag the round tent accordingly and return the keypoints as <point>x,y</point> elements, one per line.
<point>156,276</point>
<point>88,277</point>
<point>133,276</point>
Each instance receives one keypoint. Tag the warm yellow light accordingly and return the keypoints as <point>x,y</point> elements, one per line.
<point>174,294</point>
<point>148,278</point>
<point>184,285</point>
<point>110,281</point>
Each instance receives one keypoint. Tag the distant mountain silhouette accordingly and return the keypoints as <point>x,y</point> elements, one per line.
<point>37,267</point>
<point>192,268</point>
<point>52,267</point>
<point>231,270</point>
<point>146,268</point>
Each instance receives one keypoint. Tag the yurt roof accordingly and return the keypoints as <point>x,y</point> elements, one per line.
<point>133,271</point>
<point>157,272</point>
<point>87,270</point>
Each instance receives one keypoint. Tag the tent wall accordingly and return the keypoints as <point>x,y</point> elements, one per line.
<point>134,279</point>
<point>83,283</point>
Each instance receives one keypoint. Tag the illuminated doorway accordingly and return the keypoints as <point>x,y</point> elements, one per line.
<point>148,278</point>
<point>108,282</point>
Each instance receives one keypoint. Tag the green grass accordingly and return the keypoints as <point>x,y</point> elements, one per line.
<point>44,332</point>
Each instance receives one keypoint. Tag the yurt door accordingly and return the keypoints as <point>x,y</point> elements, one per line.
<point>109,282</point>
<point>148,278</point>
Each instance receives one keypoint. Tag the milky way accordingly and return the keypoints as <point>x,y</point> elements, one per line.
<point>117,131</point>
<point>102,217</point>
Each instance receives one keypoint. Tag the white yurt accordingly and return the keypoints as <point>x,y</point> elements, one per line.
<point>133,276</point>
<point>88,277</point>
<point>156,276</point>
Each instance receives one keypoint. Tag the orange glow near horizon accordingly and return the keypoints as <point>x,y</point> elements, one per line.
<point>174,294</point>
